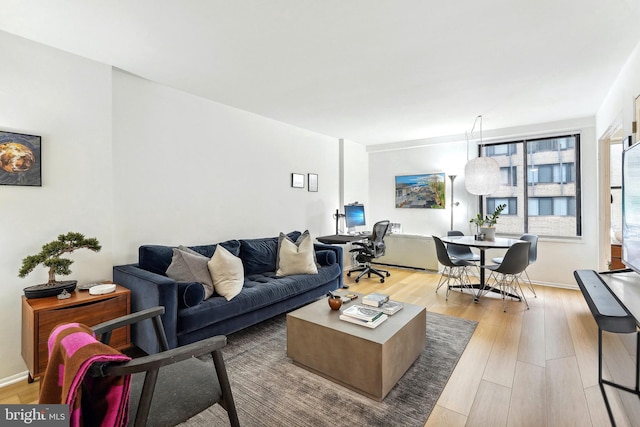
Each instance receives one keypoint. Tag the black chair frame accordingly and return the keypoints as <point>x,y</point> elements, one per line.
<point>152,363</point>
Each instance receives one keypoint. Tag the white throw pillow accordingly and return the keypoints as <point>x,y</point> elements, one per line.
<point>227,273</point>
<point>296,257</point>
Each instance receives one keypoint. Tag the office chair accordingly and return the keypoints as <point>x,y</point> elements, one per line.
<point>506,273</point>
<point>454,269</point>
<point>171,386</point>
<point>369,250</point>
<point>533,256</point>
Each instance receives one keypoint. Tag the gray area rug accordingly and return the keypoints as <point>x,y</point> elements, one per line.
<point>269,390</point>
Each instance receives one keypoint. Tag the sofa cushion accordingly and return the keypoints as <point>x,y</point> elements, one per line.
<point>157,258</point>
<point>227,273</point>
<point>259,290</point>
<point>296,257</point>
<point>190,294</point>
<point>259,255</point>
<point>190,266</point>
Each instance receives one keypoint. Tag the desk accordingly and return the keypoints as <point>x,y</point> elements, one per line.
<point>342,239</point>
<point>483,245</point>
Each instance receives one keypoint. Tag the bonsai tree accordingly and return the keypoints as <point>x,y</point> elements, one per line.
<point>488,221</point>
<point>50,254</point>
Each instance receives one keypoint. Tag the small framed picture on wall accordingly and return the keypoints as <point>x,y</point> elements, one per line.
<point>297,180</point>
<point>312,179</point>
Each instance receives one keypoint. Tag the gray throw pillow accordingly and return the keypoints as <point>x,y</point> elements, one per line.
<point>190,266</point>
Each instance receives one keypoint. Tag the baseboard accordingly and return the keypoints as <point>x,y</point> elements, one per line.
<point>539,283</point>
<point>14,379</point>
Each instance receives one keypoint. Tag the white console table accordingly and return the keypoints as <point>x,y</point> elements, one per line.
<point>410,250</point>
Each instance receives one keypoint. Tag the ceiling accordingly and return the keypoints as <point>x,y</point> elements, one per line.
<point>370,71</point>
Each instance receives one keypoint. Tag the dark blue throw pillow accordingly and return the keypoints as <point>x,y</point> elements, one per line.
<point>190,294</point>
<point>259,255</point>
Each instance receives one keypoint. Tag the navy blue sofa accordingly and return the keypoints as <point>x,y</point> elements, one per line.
<point>189,319</point>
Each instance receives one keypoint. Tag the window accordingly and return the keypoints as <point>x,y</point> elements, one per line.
<point>540,184</point>
<point>558,173</point>
<point>552,144</point>
<point>553,206</point>
<point>509,175</point>
<point>511,202</point>
<point>501,150</point>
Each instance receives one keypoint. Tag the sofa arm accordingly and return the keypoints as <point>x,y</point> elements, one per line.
<point>337,249</point>
<point>150,290</point>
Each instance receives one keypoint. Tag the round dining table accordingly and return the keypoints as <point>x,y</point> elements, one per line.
<point>483,246</point>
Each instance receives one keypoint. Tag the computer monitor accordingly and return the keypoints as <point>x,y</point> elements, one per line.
<point>354,215</point>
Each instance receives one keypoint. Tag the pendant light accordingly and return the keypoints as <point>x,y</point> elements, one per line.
<point>482,174</point>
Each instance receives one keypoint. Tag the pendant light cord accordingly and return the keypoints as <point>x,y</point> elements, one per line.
<point>470,133</point>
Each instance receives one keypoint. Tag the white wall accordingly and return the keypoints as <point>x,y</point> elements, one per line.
<point>355,185</point>
<point>131,162</point>
<point>621,96</point>
<point>191,171</point>
<point>66,100</point>
<point>557,258</point>
<point>449,158</point>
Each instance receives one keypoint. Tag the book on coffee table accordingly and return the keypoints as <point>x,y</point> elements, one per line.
<point>390,307</point>
<point>368,314</point>
<point>368,324</point>
<point>375,299</point>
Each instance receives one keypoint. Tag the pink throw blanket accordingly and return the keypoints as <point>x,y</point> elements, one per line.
<point>92,401</point>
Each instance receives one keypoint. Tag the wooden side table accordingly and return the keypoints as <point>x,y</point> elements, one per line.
<point>41,315</point>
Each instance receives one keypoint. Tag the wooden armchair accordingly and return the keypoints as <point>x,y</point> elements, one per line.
<point>171,386</point>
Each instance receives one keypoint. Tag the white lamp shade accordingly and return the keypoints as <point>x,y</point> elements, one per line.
<point>482,176</point>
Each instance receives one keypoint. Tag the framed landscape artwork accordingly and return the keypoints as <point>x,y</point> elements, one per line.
<point>425,191</point>
<point>20,159</point>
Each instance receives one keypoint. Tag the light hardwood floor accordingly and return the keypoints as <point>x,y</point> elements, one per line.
<point>534,367</point>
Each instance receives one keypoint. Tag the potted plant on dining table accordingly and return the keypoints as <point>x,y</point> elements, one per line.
<point>486,225</point>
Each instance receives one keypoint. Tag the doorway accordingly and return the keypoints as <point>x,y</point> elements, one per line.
<point>611,147</point>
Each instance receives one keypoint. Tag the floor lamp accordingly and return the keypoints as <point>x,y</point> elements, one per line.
<point>452,178</point>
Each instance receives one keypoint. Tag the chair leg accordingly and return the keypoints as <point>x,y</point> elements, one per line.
<point>454,275</point>
<point>515,278</point>
<point>227,397</point>
<point>509,283</point>
<point>363,272</point>
<point>500,283</point>
<point>144,405</point>
<point>457,275</point>
<point>530,284</point>
<point>442,281</point>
